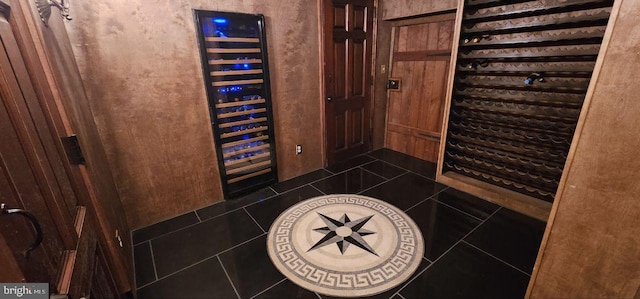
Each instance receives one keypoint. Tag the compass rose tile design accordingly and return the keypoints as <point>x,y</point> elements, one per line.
<point>344,232</point>
<point>345,245</point>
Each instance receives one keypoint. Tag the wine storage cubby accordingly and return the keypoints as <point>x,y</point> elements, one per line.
<point>521,76</point>
<point>235,68</point>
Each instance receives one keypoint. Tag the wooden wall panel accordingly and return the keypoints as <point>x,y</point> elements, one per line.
<point>393,9</point>
<point>591,248</point>
<point>141,67</point>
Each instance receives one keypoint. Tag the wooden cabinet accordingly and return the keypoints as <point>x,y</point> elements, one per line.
<point>521,74</point>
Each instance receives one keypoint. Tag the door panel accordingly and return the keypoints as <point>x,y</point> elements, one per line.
<point>54,71</point>
<point>347,77</point>
<point>421,56</point>
<point>24,181</point>
<point>34,178</point>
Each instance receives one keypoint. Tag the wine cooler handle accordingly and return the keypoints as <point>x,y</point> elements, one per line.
<point>329,99</point>
<point>34,223</point>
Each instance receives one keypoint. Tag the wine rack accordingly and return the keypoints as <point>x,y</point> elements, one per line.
<point>521,75</point>
<point>235,67</point>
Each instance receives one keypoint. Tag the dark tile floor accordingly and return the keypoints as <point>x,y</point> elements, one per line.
<point>473,249</point>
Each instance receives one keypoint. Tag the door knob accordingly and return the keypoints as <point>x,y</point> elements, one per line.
<point>34,223</point>
<point>329,99</point>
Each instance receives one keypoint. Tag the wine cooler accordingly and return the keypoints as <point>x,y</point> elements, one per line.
<point>235,66</point>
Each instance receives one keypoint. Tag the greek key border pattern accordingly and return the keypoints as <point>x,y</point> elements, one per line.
<point>393,267</point>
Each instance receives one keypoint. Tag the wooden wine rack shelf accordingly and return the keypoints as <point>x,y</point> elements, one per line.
<point>240,103</point>
<point>246,150</point>
<point>233,61</point>
<point>244,141</point>
<point>235,73</point>
<point>237,82</point>
<point>243,122</point>
<point>233,39</point>
<point>521,73</point>
<point>240,113</point>
<point>247,159</point>
<point>244,132</point>
<point>233,51</point>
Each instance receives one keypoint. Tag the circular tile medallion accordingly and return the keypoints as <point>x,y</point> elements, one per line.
<point>345,245</point>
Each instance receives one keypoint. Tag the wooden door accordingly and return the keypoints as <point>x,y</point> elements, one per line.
<point>47,52</point>
<point>420,61</point>
<point>348,27</point>
<point>45,235</point>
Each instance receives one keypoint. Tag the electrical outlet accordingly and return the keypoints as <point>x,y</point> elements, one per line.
<point>298,149</point>
<point>383,69</point>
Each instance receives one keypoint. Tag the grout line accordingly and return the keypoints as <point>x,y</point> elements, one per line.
<point>352,167</point>
<point>375,160</point>
<point>428,260</point>
<point>311,182</point>
<point>240,244</point>
<point>445,253</point>
<point>424,176</point>
<point>200,219</point>
<point>254,220</point>
<point>208,258</point>
<point>273,285</point>
<point>371,172</point>
<point>319,297</point>
<point>228,277</point>
<point>257,202</point>
<point>461,211</point>
<point>424,200</point>
<point>497,258</point>
<point>370,156</point>
<point>145,285</point>
<point>314,187</point>
<point>274,190</point>
<point>153,261</point>
<point>211,218</point>
<point>400,295</point>
<point>376,185</point>
<point>405,169</point>
<point>164,220</point>
<point>179,229</point>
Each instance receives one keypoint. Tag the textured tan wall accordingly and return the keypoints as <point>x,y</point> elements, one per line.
<point>393,9</point>
<point>592,247</point>
<point>140,65</point>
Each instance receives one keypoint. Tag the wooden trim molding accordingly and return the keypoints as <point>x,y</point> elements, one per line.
<point>524,204</point>
<point>451,79</point>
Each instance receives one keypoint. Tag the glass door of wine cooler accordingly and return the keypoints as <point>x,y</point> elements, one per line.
<point>235,67</point>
